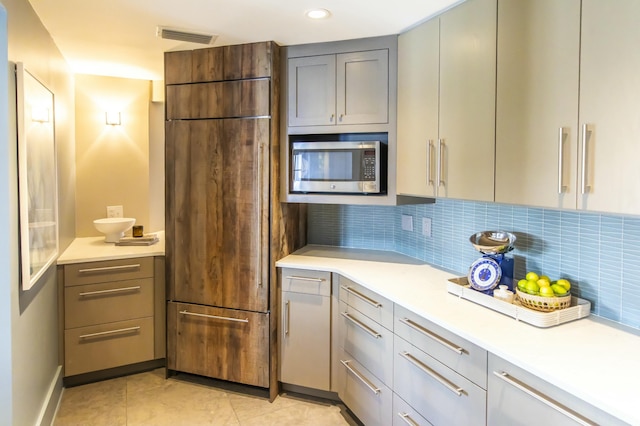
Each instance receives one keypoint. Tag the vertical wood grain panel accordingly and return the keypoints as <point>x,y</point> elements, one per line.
<point>177,67</point>
<point>208,64</point>
<point>248,61</point>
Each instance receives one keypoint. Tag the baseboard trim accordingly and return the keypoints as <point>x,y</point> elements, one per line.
<point>52,401</point>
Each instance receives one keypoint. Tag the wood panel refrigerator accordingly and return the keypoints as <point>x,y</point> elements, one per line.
<point>225,226</point>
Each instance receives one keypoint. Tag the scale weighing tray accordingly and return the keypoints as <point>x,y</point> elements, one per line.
<point>579,308</point>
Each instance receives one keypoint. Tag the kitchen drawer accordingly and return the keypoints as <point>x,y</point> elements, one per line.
<point>438,393</point>
<point>455,352</point>
<point>367,341</point>
<point>306,281</point>
<point>516,396</point>
<point>226,344</point>
<point>368,302</point>
<point>107,302</point>
<point>108,345</point>
<point>404,414</point>
<point>108,270</point>
<point>365,395</point>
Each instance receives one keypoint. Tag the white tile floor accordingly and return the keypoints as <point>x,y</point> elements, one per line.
<point>151,400</point>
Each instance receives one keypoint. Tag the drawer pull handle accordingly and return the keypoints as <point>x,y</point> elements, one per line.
<point>446,383</point>
<point>363,326</point>
<point>543,398</point>
<point>112,290</point>
<point>361,296</point>
<point>214,316</point>
<point>407,419</point>
<point>109,268</point>
<point>360,377</point>
<point>106,333</point>
<point>431,334</point>
<point>315,280</point>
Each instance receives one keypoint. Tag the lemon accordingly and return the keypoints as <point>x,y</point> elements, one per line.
<point>558,289</point>
<point>564,283</point>
<point>532,287</point>
<point>522,284</point>
<point>542,282</point>
<point>532,276</point>
<point>546,291</point>
<point>544,277</point>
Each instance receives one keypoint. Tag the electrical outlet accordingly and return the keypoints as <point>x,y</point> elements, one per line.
<point>426,226</point>
<point>407,222</point>
<point>115,211</point>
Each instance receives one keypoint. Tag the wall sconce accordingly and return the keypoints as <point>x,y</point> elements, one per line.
<point>40,114</point>
<point>112,118</point>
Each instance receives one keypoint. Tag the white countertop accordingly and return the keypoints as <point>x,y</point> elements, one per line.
<point>91,249</point>
<point>591,358</point>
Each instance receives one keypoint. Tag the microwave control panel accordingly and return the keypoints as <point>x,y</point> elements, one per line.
<point>369,163</point>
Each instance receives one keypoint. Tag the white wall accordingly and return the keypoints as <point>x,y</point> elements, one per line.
<point>5,245</point>
<point>33,314</point>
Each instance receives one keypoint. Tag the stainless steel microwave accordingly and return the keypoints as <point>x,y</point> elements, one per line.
<point>346,167</point>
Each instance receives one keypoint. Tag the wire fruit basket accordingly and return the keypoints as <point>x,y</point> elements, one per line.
<point>543,304</point>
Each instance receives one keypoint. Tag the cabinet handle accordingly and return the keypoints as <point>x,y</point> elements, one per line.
<point>440,171</point>
<point>543,398</point>
<point>361,296</point>
<point>259,192</point>
<point>429,151</point>
<point>360,377</point>
<point>331,118</point>
<point>363,326</point>
<point>214,316</point>
<point>585,131</point>
<point>446,383</point>
<point>109,268</point>
<point>444,342</point>
<point>341,117</point>
<point>316,280</point>
<point>113,290</point>
<point>407,419</point>
<point>106,333</point>
<point>287,309</point>
<point>561,135</point>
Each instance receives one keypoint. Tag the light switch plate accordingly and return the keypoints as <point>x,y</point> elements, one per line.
<point>407,222</point>
<point>426,226</point>
<point>115,211</point>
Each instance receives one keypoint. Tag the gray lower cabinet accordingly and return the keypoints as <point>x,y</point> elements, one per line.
<point>516,396</point>
<point>305,338</point>
<point>111,314</point>
<point>365,360</point>
<point>404,414</point>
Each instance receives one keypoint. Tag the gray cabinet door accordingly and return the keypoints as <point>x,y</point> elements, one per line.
<point>467,101</point>
<point>418,88</point>
<point>312,90</point>
<point>537,102</point>
<point>362,91</point>
<point>609,105</point>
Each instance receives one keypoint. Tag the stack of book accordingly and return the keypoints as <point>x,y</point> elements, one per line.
<point>145,240</point>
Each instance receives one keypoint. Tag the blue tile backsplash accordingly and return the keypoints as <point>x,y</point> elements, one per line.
<point>599,254</point>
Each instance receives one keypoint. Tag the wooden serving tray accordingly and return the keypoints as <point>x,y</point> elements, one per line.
<point>579,308</point>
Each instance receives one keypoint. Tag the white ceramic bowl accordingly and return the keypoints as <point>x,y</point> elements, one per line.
<point>114,227</point>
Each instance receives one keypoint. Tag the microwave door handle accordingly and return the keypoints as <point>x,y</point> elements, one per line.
<point>297,167</point>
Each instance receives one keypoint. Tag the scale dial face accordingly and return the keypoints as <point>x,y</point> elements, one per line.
<point>484,274</point>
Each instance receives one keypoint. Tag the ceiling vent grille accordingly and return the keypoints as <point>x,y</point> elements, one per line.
<point>188,36</point>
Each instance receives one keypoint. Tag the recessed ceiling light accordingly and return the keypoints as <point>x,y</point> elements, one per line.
<point>318,13</point>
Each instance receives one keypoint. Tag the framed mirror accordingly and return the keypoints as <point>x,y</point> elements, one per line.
<point>37,177</point>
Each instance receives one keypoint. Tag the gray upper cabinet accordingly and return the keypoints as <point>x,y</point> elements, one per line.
<point>566,120</point>
<point>346,88</point>
<point>609,176</point>
<point>537,102</point>
<point>454,159</point>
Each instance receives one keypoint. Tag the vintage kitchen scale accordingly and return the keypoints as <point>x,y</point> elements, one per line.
<point>494,267</point>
